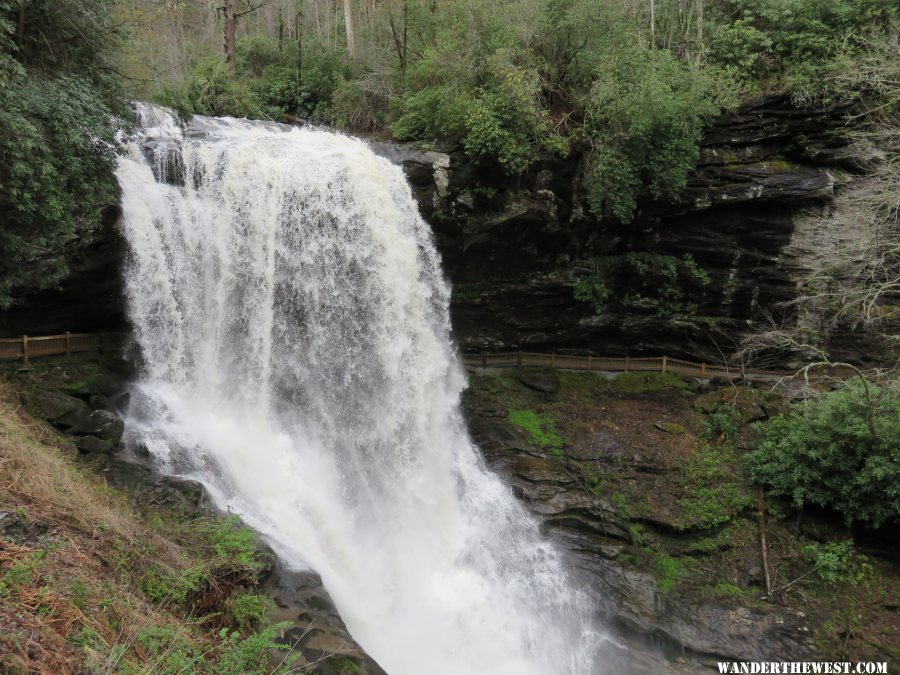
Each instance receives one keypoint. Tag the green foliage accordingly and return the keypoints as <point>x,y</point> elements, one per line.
<point>250,655</point>
<point>233,543</point>
<point>431,113</point>
<point>174,650</point>
<point>167,586</point>
<point>541,429</point>
<point>669,572</point>
<point>354,108</point>
<point>837,561</point>
<point>57,130</point>
<point>726,590</point>
<point>723,421</point>
<point>839,451</point>
<point>800,42</point>
<point>714,493</point>
<point>270,82</point>
<point>56,158</point>
<point>634,281</point>
<point>645,113</point>
<point>247,610</point>
<point>21,573</point>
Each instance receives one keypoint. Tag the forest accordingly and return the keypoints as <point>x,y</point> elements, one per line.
<point>623,88</point>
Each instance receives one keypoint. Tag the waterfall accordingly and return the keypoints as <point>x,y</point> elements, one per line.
<point>289,306</point>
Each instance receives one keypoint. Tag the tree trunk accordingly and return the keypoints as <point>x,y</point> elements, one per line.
<point>298,79</point>
<point>348,25</point>
<point>230,33</point>
<point>652,24</point>
<point>699,31</point>
<point>763,546</point>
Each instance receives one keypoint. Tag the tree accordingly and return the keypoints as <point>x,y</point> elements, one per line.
<point>348,27</point>
<point>231,15</point>
<point>839,450</point>
<point>59,106</point>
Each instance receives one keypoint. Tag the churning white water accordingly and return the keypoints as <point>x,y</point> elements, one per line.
<point>290,308</point>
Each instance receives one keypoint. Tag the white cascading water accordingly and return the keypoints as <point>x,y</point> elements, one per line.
<point>292,316</point>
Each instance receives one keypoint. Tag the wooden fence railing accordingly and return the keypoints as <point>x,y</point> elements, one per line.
<point>26,347</point>
<point>617,364</point>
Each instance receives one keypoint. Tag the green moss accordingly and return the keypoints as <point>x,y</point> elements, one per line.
<point>541,429</point>
<point>726,590</point>
<point>713,493</point>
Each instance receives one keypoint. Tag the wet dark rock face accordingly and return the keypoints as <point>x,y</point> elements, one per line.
<point>694,633</point>
<point>512,248</point>
<point>515,247</point>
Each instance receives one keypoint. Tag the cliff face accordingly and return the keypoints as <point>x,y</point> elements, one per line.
<point>753,213</point>
<point>752,217</point>
<point>89,299</point>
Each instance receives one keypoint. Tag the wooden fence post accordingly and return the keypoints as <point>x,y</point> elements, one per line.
<point>702,370</point>
<point>664,361</point>
<point>519,359</point>
<point>626,363</point>
<point>589,362</point>
<point>25,350</point>
<point>553,359</point>
<point>68,343</point>
<point>484,360</point>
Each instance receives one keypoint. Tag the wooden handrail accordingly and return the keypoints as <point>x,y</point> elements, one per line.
<point>617,364</point>
<point>27,347</point>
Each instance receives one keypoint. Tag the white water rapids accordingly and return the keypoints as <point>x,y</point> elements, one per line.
<point>290,309</point>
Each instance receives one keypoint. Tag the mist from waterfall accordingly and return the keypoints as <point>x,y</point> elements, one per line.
<point>292,317</point>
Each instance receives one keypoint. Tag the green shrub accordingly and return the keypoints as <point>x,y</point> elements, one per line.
<point>840,451</point>
<point>715,493</point>
<point>57,152</point>
<point>246,610</point>
<point>233,543</point>
<point>645,113</point>
<point>432,113</point>
<point>249,655</point>
<point>168,586</point>
<point>799,42</point>
<point>836,562</point>
<point>354,108</point>
<point>723,421</point>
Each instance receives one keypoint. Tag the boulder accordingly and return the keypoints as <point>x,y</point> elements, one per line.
<point>544,380</point>
<point>93,444</point>
<point>103,424</point>
<point>55,405</point>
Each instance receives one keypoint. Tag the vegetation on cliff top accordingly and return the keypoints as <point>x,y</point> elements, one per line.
<point>59,101</point>
<point>622,86</point>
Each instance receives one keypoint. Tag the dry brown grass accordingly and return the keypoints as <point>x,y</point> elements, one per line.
<point>82,575</point>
